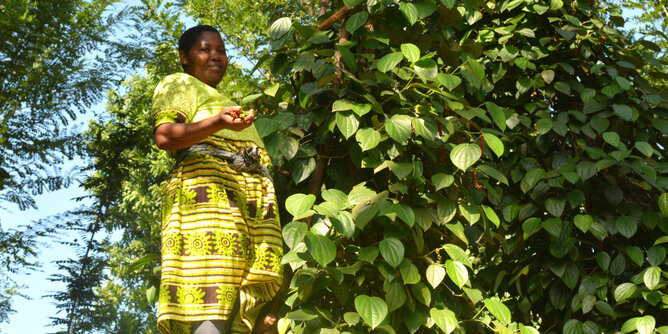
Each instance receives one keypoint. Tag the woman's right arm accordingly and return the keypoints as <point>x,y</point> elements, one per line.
<point>176,136</point>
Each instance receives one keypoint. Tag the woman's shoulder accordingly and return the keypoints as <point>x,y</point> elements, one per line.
<point>178,78</point>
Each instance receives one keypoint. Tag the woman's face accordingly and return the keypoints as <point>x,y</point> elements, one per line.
<point>206,60</point>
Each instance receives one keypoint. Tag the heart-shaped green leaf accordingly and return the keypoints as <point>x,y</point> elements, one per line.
<point>435,274</point>
<point>465,155</point>
<point>410,51</point>
<point>299,205</point>
<point>321,248</point>
<point>445,319</point>
<point>293,233</point>
<point>392,251</point>
<point>373,310</point>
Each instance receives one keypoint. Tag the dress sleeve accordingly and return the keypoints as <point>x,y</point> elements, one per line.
<point>174,101</point>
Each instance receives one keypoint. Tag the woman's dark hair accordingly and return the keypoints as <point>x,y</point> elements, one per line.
<point>190,36</point>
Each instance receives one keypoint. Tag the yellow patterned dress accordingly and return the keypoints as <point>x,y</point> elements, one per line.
<point>221,238</point>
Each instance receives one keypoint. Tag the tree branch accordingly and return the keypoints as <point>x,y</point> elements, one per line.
<point>335,17</point>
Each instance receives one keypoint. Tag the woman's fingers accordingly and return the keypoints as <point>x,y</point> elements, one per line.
<point>249,117</point>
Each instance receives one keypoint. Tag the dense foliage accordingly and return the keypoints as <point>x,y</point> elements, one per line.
<point>472,167</point>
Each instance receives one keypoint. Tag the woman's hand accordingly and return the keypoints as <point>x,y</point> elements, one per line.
<point>231,119</point>
<point>175,136</point>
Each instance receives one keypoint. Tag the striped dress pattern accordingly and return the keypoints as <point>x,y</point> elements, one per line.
<point>221,238</point>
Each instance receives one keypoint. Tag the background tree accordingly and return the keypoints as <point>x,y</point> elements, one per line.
<point>49,76</point>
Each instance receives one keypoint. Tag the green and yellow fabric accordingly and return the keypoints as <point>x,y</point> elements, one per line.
<point>221,238</point>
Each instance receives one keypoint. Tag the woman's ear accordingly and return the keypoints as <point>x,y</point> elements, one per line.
<point>183,57</point>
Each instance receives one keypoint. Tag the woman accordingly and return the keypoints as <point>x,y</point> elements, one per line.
<point>221,239</point>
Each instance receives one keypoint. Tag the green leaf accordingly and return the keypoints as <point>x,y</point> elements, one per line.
<point>652,277</point>
<point>356,20</point>
<point>645,325</point>
<point>152,294</point>
<point>500,311</point>
<point>344,224</point>
<point>410,51</point>
<point>465,155</point>
<point>498,115</point>
<point>644,148</point>
<point>562,87</point>
<point>573,326</point>
<point>636,255</point>
<point>293,233</point>
<point>528,330</point>
<point>425,8</point>
<point>288,146</point>
<point>405,213</point>
<point>442,180</point>
<point>470,213</point>
<point>603,260</point>
<point>302,169</point>
<point>457,272</point>
<point>494,143</point>
<point>435,274</point>
<point>410,12</point>
<point>352,3</point>
<point>491,215</point>
<point>409,272</point>
<point>389,61</point>
<point>583,222</point>
<point>400,169</point>
<point>656,255</point>
<point>347,122</point>
<point>445,319</point>
<point>368,254</point>
<point>368,138</point>
<point>450,81</point>
<point>531,178</point>
<point>399,128</point>
<point>299,205</point>
<point>555,206</point>
<point>392,251</point>
<point>611,138</point>
<point>426,128</point>
<point>523,85</point>
<point>457,254</point>
<point>321,248</point>
<point>586,169</point>
<point>366,210</point>
<point>548,76</point>
<point>624,291</point>
<point>446,210</point>
<point>351,318</point>
<point>395,295</point>
<point>623,111</point>
<point>627,226</point>
<point>426,68</point>
<point>278,32</point>
<point>265,126</point>
<point>492,172</point>
<point>530,226</point>
<point>543,126</point>
<point>372,309</point>
<point>553,226</point>
<point>422,293</point>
